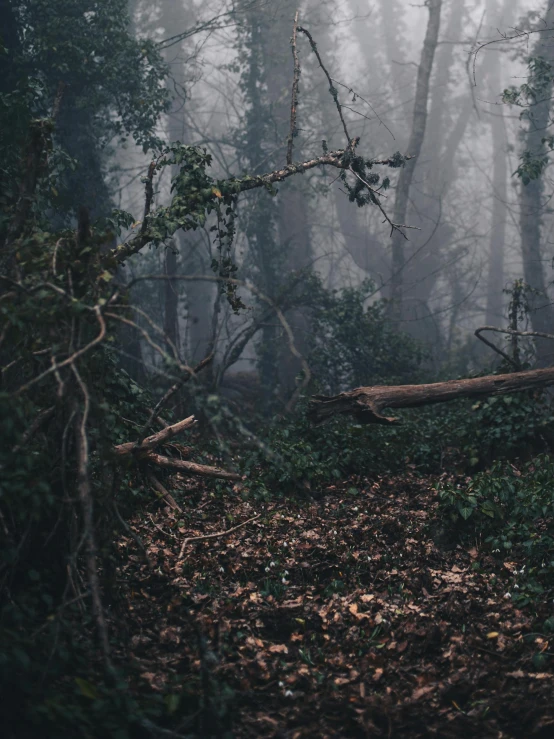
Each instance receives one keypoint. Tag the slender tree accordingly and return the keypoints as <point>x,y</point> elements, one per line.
<point>414,148</point>
<point>541,81</point>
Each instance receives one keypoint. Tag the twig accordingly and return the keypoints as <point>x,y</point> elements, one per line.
<point>165,533</point>
<point>495,348</point>
<point>511,332</point>
<point>294,96</point>
<point>174,388</point>
<point>215,536</point>
<point>376,195</point>
<point>135,537</point>
<point>70,360</point>
<point>332,88</point>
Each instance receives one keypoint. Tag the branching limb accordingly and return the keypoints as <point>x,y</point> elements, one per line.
<point>173,389</point>
<point>70,360</point>
<point>216,536</point>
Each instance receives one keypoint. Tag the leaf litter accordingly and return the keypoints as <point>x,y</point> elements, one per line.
<point>333,617</point>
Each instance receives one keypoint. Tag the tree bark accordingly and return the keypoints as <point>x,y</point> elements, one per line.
<point>497,18</point>
<point>533,203</point>
<point>414,149</point>
<point>366,403</point>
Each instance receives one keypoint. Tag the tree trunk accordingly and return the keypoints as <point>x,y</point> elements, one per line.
<point>171,299</point>
<point>495,282</point>
<point>414,149</point>
<point>366,403</point>
<point>532,206</point>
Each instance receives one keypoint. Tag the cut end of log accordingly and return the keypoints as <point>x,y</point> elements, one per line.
<point>323,407</point>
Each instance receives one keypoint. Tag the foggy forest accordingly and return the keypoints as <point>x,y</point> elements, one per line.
<point>276,369</point>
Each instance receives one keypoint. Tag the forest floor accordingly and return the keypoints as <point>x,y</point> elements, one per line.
<point>335,617</point>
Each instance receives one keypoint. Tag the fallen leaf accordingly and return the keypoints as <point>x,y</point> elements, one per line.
<point>278,649</point>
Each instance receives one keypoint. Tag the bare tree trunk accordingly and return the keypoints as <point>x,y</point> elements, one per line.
<point>414,149</point>
<point>533,204</point>
<point>495,281</point>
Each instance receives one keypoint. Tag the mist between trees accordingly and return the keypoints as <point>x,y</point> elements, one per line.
<point>263,223</point>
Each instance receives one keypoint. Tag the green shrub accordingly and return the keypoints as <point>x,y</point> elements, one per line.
<point>511,509</point>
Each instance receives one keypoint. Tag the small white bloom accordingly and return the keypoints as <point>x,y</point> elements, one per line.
<point>281,684</point>
<point>285,544</point>
<point>288,693</point>
<point>286,572</point>
<point>272,564</point>
<point>355,508</point>
<point>334,532</point>
<point>267,569</point>
<point>516,586</point>
<point>283,581</point>
<point>507,596</point>
<point>369,559</point>
<point>222,569</point>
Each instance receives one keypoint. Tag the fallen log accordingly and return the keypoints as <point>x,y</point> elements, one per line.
<point>366,403</point>
<point>192,468</point>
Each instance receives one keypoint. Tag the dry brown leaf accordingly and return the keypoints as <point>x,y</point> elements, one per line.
<point>279,649</point>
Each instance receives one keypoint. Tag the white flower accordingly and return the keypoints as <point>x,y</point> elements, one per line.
<point>222,569</point>
<point>286,572</point>
<point>272,564</point>
<point>288,693</point>
<point>369,559</point>
<point>516,586</point>
<point>355,508</point>
<point>281,684</point>
<point>267,569</point>
<point>285,544</point>
<point>507,596</point>
<point>522,570</point>
<point>283,581</point>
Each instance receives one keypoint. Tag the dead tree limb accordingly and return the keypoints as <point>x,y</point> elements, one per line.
<point>162,493</point>
<point>191,468</point>
<point>294,95</point>
<point>151,442</point>
<point>366,403</point>
<point>340,159</point>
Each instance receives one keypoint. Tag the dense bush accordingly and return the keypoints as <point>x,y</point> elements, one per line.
<point>510,509</point>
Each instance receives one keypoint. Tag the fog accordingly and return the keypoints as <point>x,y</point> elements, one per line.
<point>447,272</point>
